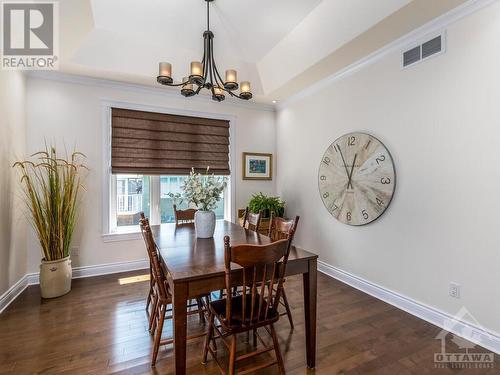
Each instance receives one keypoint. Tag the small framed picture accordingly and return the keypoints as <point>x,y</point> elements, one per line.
<point>257,166</point>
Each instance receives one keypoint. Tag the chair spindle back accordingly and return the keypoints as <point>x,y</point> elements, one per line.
<point>280,228</point>
<point>262,264</point>
<point>183,217</point>
<point>251,220</point>
<point>153,253</point>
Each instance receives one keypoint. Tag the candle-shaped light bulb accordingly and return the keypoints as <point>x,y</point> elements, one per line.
<point>245,87</point>
<point>245,90</point>
<point>185,80</point>
<point>218,94</point>
<point>231,75</point>
<point>165,73</point>
<point>187,88</point>
<point>231,80</point>
<point>196,68</point>
<point>165,69</point>
<point>196,75</point>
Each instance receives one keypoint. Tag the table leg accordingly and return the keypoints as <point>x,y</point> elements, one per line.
<point>310,280</point>
<point>180,327</point>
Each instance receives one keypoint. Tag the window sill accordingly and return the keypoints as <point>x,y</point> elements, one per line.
<point>122,236</point>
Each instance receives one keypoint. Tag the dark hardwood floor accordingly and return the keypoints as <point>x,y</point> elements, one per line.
<point>101,327</point>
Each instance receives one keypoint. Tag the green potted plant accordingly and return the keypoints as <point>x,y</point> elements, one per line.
<point>266,204</point>
<point>51,187</point>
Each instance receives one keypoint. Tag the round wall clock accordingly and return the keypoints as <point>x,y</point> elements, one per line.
<point>356,178</point>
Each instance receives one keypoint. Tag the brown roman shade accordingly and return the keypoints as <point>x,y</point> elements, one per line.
<point>155,143</point>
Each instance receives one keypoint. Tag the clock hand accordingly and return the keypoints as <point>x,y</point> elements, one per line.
<point>352,170</point>
<point>345,165</point>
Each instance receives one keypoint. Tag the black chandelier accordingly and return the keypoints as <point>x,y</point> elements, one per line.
<point>204,74</point>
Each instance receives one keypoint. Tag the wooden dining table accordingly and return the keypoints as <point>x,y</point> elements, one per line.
<point>196,267</point>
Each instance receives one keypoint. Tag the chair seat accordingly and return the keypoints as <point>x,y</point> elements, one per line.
<point>218,307</point>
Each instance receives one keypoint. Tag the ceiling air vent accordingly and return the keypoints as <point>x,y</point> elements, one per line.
<point>422,51</point>
<point>431,47</point>
<point>411,56</point>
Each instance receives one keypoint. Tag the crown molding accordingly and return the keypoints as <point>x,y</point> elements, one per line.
<point>437,25</point>
<point>54,75</point>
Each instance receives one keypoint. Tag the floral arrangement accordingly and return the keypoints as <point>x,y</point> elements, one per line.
<point>203,190</point>
<point>176,198</point>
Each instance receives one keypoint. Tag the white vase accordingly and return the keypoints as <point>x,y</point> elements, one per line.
<point>204,224</point>
<point>55,277</point>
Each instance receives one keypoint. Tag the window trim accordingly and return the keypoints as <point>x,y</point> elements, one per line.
<point>109,184</point>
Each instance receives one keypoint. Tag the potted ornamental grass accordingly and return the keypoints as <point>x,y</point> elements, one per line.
<point>204,191</point>
<point>51,186</point>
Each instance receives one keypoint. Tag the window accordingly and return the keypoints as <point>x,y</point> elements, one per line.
<point>172,184</point>
<point>132,197</point>
<point>135,194</point>
<point>150,155</point>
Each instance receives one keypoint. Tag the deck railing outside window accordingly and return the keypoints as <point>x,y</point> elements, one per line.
<point>129,203</point>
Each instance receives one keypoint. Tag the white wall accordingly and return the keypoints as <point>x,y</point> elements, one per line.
<point>12,148</point>
<point>70,114</point>
<point>441,122</point>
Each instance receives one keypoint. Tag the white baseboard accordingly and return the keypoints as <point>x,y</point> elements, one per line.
<point>13,292</point>
<point>474,333</point>
<point>78,272</point>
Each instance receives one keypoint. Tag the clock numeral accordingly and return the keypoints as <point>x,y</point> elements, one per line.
<point>326,195</point>
<point>365,214</point>
<point>326,160</point>
<point>348,216</point>
<point>368,144</point>
<point>336,148</point>
<point>351,141</point>
<point>380,159</point>
<point>322,178</point>
<point>333,207</point>
<point>385,180</point>
<point>380,202</point>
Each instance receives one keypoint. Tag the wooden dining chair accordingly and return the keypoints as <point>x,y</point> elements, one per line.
<point>161,296</point>
<point>252,220</point>
<point>253,308</point>
<point>280,229</point>
<point>183,217</point>
<point>151,293</point>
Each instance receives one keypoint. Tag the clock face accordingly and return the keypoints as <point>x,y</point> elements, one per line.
<point>356,179</point>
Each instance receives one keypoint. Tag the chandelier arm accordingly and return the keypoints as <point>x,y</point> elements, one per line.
<point>206,62</point>
<point>233,94</point>
<point>209,59</point>
<point>221,83</point>
<point>204,73</point>
<point>203,64</point>
<point>230,93</point>
<point>177,84</point>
